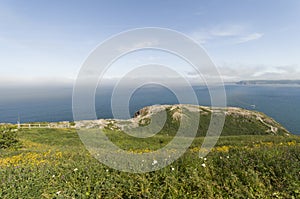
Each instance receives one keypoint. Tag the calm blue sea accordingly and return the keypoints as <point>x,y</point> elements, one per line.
<point>55,104</point>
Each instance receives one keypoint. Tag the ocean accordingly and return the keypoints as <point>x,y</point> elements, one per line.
<point>55,104</point>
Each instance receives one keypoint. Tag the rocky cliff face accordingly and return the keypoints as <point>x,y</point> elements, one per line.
<point>238,121</point>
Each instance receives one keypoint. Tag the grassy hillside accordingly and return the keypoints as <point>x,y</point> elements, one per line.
<point>53,163</point>
<point>237,121</point>
<point>255,158</point>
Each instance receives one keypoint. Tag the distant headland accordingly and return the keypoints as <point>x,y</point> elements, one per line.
<point>270,82</point>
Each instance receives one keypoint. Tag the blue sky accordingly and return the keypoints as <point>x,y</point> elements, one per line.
<point>49,40</point>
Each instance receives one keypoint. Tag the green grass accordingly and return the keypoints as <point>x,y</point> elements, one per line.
<point>53,163</point>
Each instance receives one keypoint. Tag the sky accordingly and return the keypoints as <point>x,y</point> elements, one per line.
<point>48,41</point>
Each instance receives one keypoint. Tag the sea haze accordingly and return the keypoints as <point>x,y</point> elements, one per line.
<point>34,104</point>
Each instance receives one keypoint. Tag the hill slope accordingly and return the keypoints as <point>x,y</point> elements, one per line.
<point>54,163</point>
<point>237,121</point>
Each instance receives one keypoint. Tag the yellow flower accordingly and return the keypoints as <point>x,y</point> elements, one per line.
<point>222,149</point>
<point>292,143</point>
<point>58,154</point>
<point>30,158</point>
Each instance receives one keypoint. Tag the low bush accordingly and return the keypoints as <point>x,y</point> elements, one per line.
<point>8,137</point>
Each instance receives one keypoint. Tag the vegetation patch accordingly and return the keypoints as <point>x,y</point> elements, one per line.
<point>53,163</point>
<point>8,136</point>
<point>255,157</point>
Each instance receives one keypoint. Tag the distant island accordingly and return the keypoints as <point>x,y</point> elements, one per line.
<point>265,82</point>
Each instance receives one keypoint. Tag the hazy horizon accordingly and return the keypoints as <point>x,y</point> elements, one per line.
<point>46,43</point>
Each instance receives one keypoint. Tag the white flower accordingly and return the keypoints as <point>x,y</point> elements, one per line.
<point>154,162</point>
<point>204,159</point>
<point>58,192</point>
<point>203,165</point>
<point>227,156</point>
<point>172,168</point>
<point>221,157</point>
<point>106,170</point>
<point>201,157</point>
<point>75,169</point>
<point>53,176</point>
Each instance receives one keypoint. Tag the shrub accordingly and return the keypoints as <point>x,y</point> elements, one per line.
<point>8,137</point>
